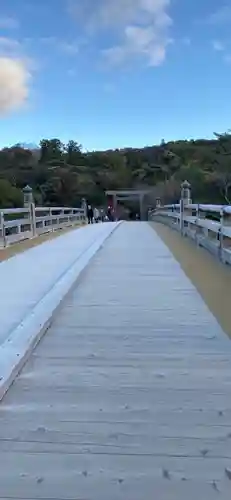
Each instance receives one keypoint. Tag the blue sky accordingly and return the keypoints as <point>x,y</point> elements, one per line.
<point>114,73</point>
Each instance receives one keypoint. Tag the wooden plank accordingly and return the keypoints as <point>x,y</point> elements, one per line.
<point>128,394</point>
<point>66,476</point>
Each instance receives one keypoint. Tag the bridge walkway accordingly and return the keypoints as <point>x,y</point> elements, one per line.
<point>127,397</point>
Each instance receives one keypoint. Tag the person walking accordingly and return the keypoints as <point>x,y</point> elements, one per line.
<point>90,214</point>
<point>109,214</point>
<point>96,215</point>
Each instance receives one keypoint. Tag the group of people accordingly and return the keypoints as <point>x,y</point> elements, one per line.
<point>94,215</point>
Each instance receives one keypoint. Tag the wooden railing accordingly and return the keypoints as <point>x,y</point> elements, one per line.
<point>208,225</point>
<point>22,223</point>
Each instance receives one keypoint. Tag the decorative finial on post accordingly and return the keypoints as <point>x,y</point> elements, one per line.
<point>158,203</point>
<point>185,199</point>
<point>29,203</point>
<point>84,207</point>
<point>186,193</point>
<point>28,198</point>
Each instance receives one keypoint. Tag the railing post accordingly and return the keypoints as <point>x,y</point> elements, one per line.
<point>182,217</point>
<point>84,207</point>
<point>185,199</point>
<point>3,229</point>
<point>197,223</point>
<point>51,217</point>
<point>29,204</point>
<point>33,219</point>
<point>221,235</point>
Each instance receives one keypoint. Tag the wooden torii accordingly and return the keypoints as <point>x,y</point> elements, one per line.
<point>128,194</point>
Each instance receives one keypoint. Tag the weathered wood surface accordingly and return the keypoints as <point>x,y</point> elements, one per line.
<point>128,395</point>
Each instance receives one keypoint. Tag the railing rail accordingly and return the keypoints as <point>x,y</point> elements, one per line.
<point>17,224</point>
<point>195,221</point>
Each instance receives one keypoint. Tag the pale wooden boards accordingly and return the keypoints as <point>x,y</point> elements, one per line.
<point>23,245</point>
<point>128,395</point>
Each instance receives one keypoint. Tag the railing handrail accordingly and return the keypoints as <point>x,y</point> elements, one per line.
<point>33,221</point>
<point>6,211</point>
<point>10,211</point>
<point>215,235</point>
<point>44,209</point>
<point>200,206</point>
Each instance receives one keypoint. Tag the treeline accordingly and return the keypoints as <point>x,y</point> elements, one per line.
<point>62,174</point>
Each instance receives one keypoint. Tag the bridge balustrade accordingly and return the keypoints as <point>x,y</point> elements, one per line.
<point>18,224</point>
<point>208,225</point>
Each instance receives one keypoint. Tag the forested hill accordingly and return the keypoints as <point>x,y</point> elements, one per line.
<point>61,174</point>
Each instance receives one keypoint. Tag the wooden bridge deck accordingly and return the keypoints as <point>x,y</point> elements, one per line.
<point>127,397</point>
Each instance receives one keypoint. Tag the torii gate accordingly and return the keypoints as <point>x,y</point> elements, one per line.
<point>128,194</point>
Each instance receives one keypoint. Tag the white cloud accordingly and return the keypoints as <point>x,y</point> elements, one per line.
<point>48,40</point>
<point>14,75</point>
<point>140,26</point>
<point>221,15</point>
<point>109,88</point>
<point>9,46</point>
<point>14,84</point>
<point>107,13</point>
<point>138,42</point>
<point>8,23</point>
<point>71,72</point>
<point>186,41</point>
<point>69,47</point>
<point>218,46</point>
<point>227,58</point>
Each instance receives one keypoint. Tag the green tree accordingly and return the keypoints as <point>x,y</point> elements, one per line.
<point>60,174</point>
<point>51,151</point>
<point>10,196</point>
<point>73,153</point>
<point>222,165</point>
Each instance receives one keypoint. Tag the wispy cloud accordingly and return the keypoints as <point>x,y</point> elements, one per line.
<point>140,27</point>
<point>9,46</point>
<point>71,72</point>
<point>218,45</point>
<point>221,16</point>
<point>227,58</point>
<point>69,47</point>
<point>223,49</point>
<point>186,41</point>
<point>48,40</point>
<point>139,42</point>
<point>8,23</point>
<point>109,88</point>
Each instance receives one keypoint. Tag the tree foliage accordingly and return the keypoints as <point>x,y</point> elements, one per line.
<point>61,174</point>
